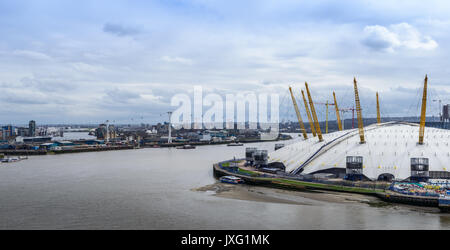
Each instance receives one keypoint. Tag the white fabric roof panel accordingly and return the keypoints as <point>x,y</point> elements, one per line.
<point>389,148</point>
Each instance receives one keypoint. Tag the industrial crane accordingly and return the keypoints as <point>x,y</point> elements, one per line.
<point>440,109</point>
<point>353,114</point>
<point>326,121</point>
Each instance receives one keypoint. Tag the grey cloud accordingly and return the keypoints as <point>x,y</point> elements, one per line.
<point>376,43</point>
<point>24,96</point>
<point>292,55</point>
<point>402,35</point>
<point>33,55</point>
<point>47,85</point>
<point>120,30</point>
<point>120,95</point>
<point>17,99</point>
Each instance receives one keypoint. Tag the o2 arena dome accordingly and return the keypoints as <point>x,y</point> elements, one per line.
<point>390,152</point>
<point>382,151</point>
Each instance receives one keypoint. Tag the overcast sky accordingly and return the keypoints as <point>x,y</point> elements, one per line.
<point>85,61</point>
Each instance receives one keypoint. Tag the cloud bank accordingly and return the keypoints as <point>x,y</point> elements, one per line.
<point>90,61</point>
<point>396,36</point>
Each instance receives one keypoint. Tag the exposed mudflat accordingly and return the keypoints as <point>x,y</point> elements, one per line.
<point>263,194</point>
<point>272,195</point>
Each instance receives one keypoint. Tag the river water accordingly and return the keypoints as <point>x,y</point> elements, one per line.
<point>156,189</point>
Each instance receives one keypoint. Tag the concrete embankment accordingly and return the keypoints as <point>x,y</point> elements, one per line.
<point>409,199</point>
<point>176,144</point>
<point>82,150</point>
<point>294,184</point>
<point>23,152</point>
<point>65,151</point>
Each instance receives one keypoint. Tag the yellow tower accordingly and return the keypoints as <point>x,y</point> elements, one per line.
<point>299,117</point>
<point>378,110</point>
<point>424,112</point>
<point>311,123</point>
<point>338,117</point>
<point>313,111</point>
<point>359,113</point>
<point>326,120</point>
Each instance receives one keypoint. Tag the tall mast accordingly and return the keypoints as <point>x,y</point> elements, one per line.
<point>326,122</point>
<point>299,117</point>
<point>313,111</point>
<point>359,113</point>
<point>311,123</point>
<point>107,131</point>
<point>424,111</point>
<point>169,139</point>
<point>378,110</point>
<point>338,117</point>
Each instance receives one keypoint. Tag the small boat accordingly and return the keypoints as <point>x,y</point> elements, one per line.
<point>231,180</point>
<point>186,147</point>
<point>444,201</point>
<point>235,144</point>
<point>8,160</point>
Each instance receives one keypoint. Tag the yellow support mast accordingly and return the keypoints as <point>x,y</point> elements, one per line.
<point>359,113</point>
<point>326,122</point>
<point>311,123</point>
<point>299,117</point>
<point>338,117</point>
<point>424,112</point>
<point>378,110</point>
<point>313,111</point>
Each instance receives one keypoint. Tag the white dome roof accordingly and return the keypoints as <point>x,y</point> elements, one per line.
<point>389,148</point>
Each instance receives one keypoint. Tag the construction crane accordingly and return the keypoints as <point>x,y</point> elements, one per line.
<point>299,117</point>
<point>423,112</point>
<point>359,113</point>
<point>311,124</point>
<point>338,117</point>
<point>353,114</point>
<point>378,110</point>
<point>313,111</point>
<point>326,120</point>
<point>440,109</point>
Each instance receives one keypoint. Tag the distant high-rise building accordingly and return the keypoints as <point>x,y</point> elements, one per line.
<point>32,129</point>
<point>101,132</point>
<point>105,132</point>
<point>7,132</point>
<point>24,132</point>
<point>446,113</point>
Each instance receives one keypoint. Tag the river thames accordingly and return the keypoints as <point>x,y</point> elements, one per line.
<point>162,188</point>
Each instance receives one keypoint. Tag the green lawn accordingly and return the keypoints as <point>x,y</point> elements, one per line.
<point>329,186</point>
<point>251,173</point>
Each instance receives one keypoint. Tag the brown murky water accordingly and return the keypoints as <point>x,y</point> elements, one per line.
<point>175,189</point>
